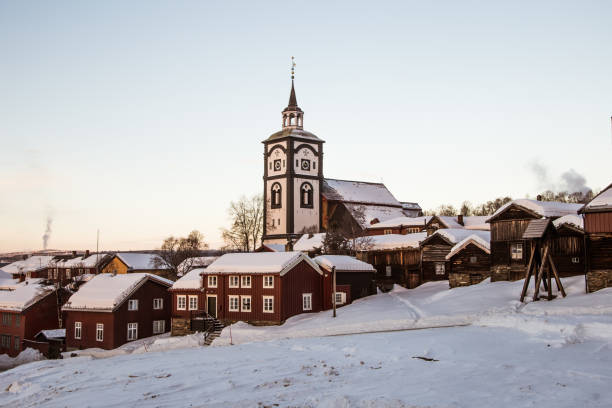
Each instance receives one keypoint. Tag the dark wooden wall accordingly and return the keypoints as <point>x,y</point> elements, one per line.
<point>302,278</point>
<point>460,262</point>
<point>598,222</point>
<point>434,251</point>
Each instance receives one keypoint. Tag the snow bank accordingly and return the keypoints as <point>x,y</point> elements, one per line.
<point>26,356</point>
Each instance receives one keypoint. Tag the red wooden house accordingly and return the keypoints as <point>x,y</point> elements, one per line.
<point>27,308</point>
<point>265,287</point>
<point>187,300</point>
<point>111,310</point>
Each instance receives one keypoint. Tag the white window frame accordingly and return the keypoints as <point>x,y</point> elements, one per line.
<point>342,299</point>
<point>473,259</point>
<point>234,281</point>
<point>99,331</point>
<point>181,299</point>
<point>515,252</point>
<point>211,279</point>
<point>244,309</point>
<point>440,268</point>
<point>158,303</point>
<point>243,280</point>
<point>271,298</point>
<point>159,326</point>
<point>237,299</point>
<point>68,274</point>
<point>306,301</point>
<point>133,305</point>
<point>132,328</point>
<point>271,285</point>
<point>575,259</point>
<point>78,330</point>
<point>192,298</point>
<point>388,231</point>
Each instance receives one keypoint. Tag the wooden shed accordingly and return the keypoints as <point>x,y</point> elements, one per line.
<point>470,261</point>
<point>354,278</point>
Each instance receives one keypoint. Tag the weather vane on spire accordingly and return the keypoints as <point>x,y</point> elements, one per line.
<point>292,67</point>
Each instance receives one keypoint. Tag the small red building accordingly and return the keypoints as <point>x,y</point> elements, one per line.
<point>187,301</point>
<point>265,287</point>
<point>111,310</point>
<point>26,308</point>
<point>354,278</point>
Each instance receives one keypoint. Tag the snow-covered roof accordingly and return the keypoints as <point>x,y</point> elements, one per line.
<point>484,244</point>
<point>573,220</point>
<point>22,295</point>
<point>402,221</point>
<point>139,261</point>
<point>107,291</point>
<point>373,212</point>
<point>191,280</point>
<point>455,235</point>
<point>602,201</point>
<point>476,222</point>
<point>358,192</point>
<point>343,263</point>
<point>410,206</point>
<point>33,263</point>
<point>392,241</point>
<point>275,247</point>
<point>259,262</point>
<point>195,262</point>
<point>542,208</point>
<point>308,243</point>
<point>53,334</point>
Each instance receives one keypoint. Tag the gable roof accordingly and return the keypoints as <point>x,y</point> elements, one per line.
<point>455,235</point>
<point>474,239</point>
<point>393,241</point>
<point>539,208</point>
<point>139,261</point>
<point>106,292</point>
<point>52,334</point>
<point>601,202</point>
<point>33,263</point>
<point>343,263</point>
<point>574,221</point>
<point>402,221</point>
<point>259,262</point>
<point>191,280</point>
<point>360,192</point>
<point>20,296</point>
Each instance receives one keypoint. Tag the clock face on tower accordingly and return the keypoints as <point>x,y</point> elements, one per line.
<point>277,165</point>
<point>306,165</point>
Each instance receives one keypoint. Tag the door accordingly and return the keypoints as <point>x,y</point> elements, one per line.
<point>211,303</point>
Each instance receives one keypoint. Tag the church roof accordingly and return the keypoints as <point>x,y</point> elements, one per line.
<point>360,192</point>
<point>289,132</point>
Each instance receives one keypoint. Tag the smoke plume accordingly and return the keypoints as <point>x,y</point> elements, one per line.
<point>47,233</point>
<point>573,181</point>
<point>570,181</point>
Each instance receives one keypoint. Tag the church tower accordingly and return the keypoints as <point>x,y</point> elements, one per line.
<point>293,174</point>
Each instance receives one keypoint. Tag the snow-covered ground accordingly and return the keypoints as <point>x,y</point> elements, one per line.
<point>544,354</point>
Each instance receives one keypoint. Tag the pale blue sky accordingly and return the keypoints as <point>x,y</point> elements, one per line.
<point>145,118</point>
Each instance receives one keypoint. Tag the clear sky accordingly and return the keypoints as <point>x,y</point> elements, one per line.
<point>145,118</point>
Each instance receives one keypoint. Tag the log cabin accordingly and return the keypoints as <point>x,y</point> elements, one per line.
<point>133,262</point>
<point>469,261</point>
<point>434,250</point>
<point>598,238</point>
<point>354,278</point>
<point>264,287</point>
<point>509,257</point>
<point>567,245</point>
<point>28,307</point>
<point>111,310</point>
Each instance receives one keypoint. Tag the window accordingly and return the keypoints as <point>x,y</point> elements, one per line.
<point>575,260</point>
<point>99,332</point>
<point>212,281</point>
<point>246,281</point>
<point>268,281</point>
<point>473,259</point>
<point>340,298</point>
<point>388,270</point>
<point>440,268</point>
<point>268,304</point>
<point>132,333</point>
<point>158,303</point>
<point>516,251</point>
<point>6,319</point>
<point>181,302</point>
<point>277,165</point>
<point>6,341</point>
<point>276,195</point>
<point>297,163</point>
<point>133,304</point>
<point>246,303</point>
<point>233,304</point>
<point>314,165</point>
<point>234,282</point>
<point>68,273</point>
<point>193,302</point>
<point>159,326</point>
<point>306,301</point>
<point>17,343</point>
<point>306,195</point>
<point>17,320</point>
<point>77,330</point>
<point>388,231</point>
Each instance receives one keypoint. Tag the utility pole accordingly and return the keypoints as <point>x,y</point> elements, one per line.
<point>334,289</point>
<point>98,252</point>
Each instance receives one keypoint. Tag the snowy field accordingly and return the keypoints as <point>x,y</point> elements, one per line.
<point>544,354</point>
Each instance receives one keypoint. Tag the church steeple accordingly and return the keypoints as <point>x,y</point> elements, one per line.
<point>293,116</point>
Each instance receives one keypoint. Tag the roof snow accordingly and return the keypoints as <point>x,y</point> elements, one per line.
<point>53,334</point>
<point>392,241</point>
<point>542,208</point>
<point>308,243</point>
<point>479,241</point>
<point>275,247</point>
<point>191,280</point>
<point>195,262</point>
<point>20,296</point>
<point>402,221</point>
<point>80,262</point>
<point>372,212</point>
<point>574,220</point>
<point>33,263</point>
<point>258,262</point>
<point>410,206</point>
<point>476,222</point>
<point>139,261</point>
<point>602,201</point>
<point>455,235</point>
<point>358,192</point>
<point>107,291</point>
<point>343,263</point>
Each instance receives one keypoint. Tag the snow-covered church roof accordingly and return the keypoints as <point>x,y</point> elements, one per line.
<point>358,192</point>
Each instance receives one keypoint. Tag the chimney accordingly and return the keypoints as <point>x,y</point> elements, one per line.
<point>539,197</point>
<point>460,219</point>
<point>289,246</point>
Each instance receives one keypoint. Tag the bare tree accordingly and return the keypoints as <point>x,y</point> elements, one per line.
<point>175,250</point>
<point>247,224</point>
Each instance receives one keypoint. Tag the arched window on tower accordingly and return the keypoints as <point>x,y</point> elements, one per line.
<point>306,195</point>
<point>275,195</point>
